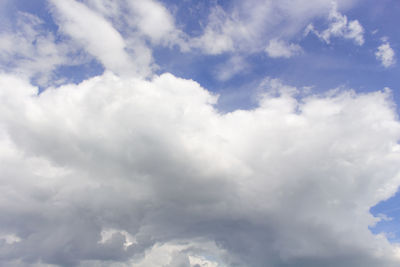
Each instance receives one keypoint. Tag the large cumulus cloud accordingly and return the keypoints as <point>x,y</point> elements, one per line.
<point>117,171</point>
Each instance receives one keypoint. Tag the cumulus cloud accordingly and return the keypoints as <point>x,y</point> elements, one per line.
<point>385,54</point>
<point>339,26</point>
<point>278,48</point>
<point>120,170</point>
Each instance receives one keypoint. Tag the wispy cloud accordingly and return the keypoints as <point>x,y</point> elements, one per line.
<point>32,51</point>
<point>278,48</point>
<point>339,27</point>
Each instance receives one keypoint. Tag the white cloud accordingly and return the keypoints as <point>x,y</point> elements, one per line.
<point>288,183</point>
<point>121,35</point>
<point>98,37</point>
<point>249,25</point>
<point>339,27</point>
<point>218,35</point>
<point>385,54</point>
<point>154,21</point>
<point>149,20</point>
<point>32,51</point>
<point>278,48</point>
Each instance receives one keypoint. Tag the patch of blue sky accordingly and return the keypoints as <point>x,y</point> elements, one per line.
<point>327,66</point>
<point>234,93</point>
<point>192,16</point>
<point>65,74</point>
<point>389,211</point>
<point>37,8</point>
<point>381,17</point>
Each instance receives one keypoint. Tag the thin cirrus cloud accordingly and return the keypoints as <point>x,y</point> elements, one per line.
<point>138,168</point>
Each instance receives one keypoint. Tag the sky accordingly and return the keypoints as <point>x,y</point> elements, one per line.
<point>194,133</point>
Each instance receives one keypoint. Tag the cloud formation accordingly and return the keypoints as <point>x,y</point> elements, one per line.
<point>32,51</point>
<point>339,26</point>
<point>123,170</point>
<point>98,37</point>
<point>385,54</point>
<point>278,48</point>
<point>135,168</point>
<point>250,25</point>
<point>121,35</point>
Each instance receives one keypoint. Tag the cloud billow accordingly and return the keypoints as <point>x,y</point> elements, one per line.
<point>159,168</point>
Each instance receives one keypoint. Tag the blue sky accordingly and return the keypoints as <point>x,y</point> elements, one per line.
<point>291,107</point>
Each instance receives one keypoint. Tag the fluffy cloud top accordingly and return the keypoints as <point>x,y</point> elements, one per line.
<point>124,169</point>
